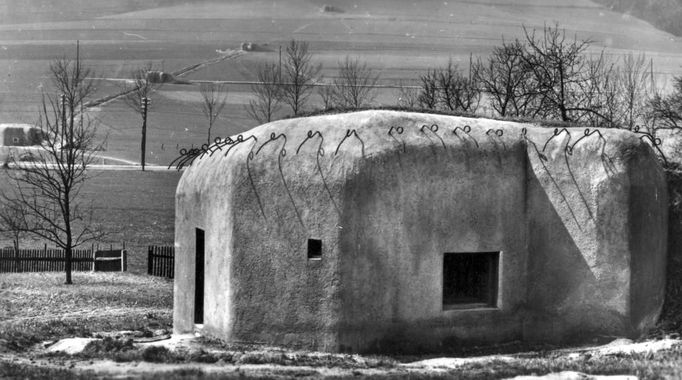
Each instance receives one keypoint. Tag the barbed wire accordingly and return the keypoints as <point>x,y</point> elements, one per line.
<point>655,142</point>
<point>398,130</point>
<point>188,156</point>
<point>396,133</point>
<point>433,128</point>
<point>543,159</point>
<point>320,153</point>
<point>349,133</point>
<point>467,131</point>
<point>493,133</point>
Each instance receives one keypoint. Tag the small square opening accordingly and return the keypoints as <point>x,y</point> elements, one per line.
<point>314,249</point>
<point>470,280</point>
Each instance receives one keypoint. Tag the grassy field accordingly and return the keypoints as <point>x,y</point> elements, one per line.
<point>400,39</point>
<point>35,307</point>
<point>38,307</point>
<point>137,207</point>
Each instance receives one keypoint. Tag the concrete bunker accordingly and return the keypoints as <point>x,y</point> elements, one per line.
<point>374,230</point>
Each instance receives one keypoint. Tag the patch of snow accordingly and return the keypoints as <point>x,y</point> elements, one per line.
<point>570,375</point>
<point>71,346</point>
<point>625,346</point>
<point>447,363</point>
<point>172,343</point>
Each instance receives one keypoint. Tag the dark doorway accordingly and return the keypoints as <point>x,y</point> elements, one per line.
<point>470,279</point>
<point>199,278</point>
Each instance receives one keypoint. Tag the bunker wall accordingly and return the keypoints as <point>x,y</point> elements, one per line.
<point>286,289</point>
<point>586,267</point>
<point>200,203</point>
<point>648,238</point>
<point>572,222</point>
<point>402,213</point>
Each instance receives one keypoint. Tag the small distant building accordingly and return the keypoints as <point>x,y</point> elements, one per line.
<point>382,231</point>
<point>19,135</point>
<point>160,77</point>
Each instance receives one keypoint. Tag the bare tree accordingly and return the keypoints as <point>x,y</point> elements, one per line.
<point>354,86</point>
<point>506,80</point>
<point>667,109</point>
<point>633,87</point>
<point>448,82</point>
<point>466,90</point>
<point>557,65</point>
<point>595,96</point>
<point>299,76</point>
<point>327,95</point>
<point>47,190</point>
<point>614,93</point>
<point>448,89</point>
<point>408,96</point>
<point>428,95</point>
<point>603,95</point>
<point>267,93</point>
<point>12,223</point>
<point>138,98</point>
<point>214,99</point>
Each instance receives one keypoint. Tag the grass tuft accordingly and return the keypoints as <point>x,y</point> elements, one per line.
<point>107,345</point>
<point>157,354</point>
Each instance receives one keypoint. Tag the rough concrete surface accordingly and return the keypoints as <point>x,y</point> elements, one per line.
<point>578,220</point>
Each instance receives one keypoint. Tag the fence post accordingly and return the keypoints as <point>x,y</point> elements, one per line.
<point>94,256</point>
<point>149,260</point>
<point>124,259</point>
<point>171,264</point>
<point>166,263</point>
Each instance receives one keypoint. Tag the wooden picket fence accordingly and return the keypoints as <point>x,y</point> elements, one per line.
<point>43,260</point>
<point>53,260</point>
<point>161,261</point>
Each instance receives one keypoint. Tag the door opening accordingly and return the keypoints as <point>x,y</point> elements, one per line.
<point>199,278</point>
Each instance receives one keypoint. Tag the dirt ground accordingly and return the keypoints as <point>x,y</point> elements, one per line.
<point>270,362</point>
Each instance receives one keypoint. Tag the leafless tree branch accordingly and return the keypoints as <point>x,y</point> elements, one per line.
<point>213,101</point>
<point>44,200</point>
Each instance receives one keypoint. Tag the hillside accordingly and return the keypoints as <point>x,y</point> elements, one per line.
<point>664,14</point>
<point>20,11</point>
<point>399,39</point>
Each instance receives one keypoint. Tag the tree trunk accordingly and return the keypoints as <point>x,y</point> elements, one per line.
<point>564,113</point>
<point>67,263</point>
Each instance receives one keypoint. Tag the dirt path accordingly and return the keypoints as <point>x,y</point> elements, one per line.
<point>192,68</point>
<point>178,74</point>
